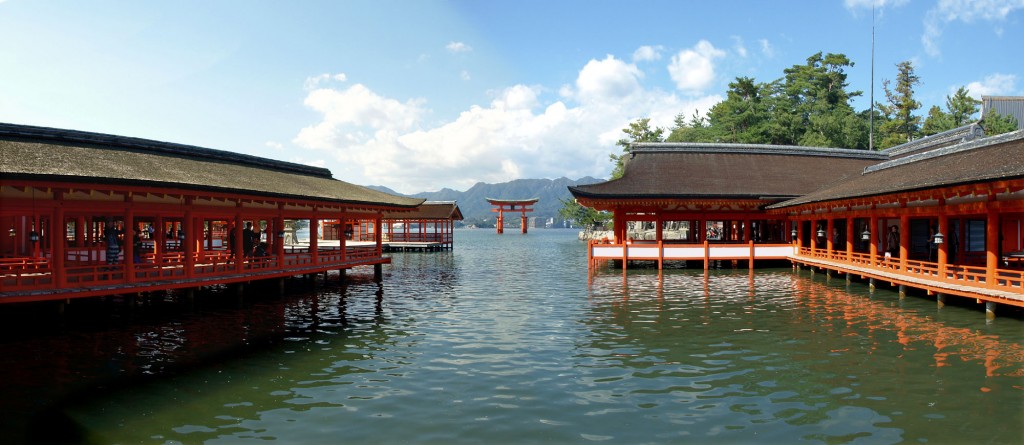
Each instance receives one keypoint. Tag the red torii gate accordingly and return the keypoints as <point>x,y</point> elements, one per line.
<point>521,205</point>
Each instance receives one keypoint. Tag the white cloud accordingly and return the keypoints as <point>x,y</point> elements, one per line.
<point>314,82</point>
<point>947,11</point>
<point>647,53</point>
<point>607,79</point>
<point>739,47</point>
<point>766,48</point>
<point>458,47</point>
<point>867,4</point>
<point>993,85</point>
<point>378,140</point>
<point>693,69</point>
<point>464,75</point>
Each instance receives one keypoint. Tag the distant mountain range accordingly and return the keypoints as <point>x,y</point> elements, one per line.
<point>473,202</point>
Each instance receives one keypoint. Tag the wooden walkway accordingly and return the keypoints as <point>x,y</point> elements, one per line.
<point>1013,298</point>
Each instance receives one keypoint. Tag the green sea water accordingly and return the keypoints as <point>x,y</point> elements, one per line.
<point>509,339</point>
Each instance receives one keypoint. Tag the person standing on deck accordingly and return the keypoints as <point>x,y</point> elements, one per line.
<point>248,239</point>
<point>892,242</point>
<point>110,234</point>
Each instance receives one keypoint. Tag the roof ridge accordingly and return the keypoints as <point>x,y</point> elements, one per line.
<point>150,145</point>
<point>948,150</point>
<point>718,147</point>
<point>959,134</point>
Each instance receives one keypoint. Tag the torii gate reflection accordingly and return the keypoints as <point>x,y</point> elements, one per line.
<point>521,205</point>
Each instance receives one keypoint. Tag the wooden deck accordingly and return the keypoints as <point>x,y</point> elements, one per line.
<point>660,251</point>
<point>34,280</point>
<point>1006,286</point>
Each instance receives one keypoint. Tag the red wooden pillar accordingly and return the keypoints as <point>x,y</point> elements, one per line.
<point>873,228</point>
<point>236,233</point>
<point>343,244</point>
<point>279,240</point>
<point>799,227</point>
<point>849,238</point>
<point>904,240</point>
<point>523,220</point>
<point>129,243</point>
<point>158,240</point>
<point>943,256</point>
<point>59,240</point>
<point>314,234</point>
<point>991,243</point>
<point>814,236</point>
<point>80,231</point>
<point>500,226</point>
<point>378,237</point>
<point>830,226</point>
<point>189,226</point>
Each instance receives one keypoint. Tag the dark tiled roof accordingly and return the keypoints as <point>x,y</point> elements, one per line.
<point>947,138</point>
<point>430,210</point>
<point>728,171</point>
<point>63,155</point>
<point>994,158</point>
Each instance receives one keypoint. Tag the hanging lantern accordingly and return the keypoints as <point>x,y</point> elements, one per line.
<point>793,233</point>
<point>821,232</point>
<point>939,238</point>
<point>33,236</point>
<point>866,235</point>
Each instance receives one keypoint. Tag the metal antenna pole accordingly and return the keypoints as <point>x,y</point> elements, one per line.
<point>871,116</point>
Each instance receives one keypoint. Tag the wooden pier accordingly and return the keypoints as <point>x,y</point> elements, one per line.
<point>87,214</point>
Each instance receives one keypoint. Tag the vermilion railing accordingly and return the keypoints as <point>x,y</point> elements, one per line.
<point>86,268</point>
<point>958,274</point>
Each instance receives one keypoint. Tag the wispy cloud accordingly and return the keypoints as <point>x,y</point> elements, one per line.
<point>458,47</point>
<point>738,46</point>
<point>993,85</point>
<point>314,82</point>
<point>947,11</point>
<point>647,53</point>
<point>766,48</point>
<point>868,4</point>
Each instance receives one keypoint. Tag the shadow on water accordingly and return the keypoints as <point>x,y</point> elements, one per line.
<point>58,357</point>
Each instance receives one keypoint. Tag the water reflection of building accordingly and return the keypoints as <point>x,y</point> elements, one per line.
<point>656,305</point>
<point>954,202</point>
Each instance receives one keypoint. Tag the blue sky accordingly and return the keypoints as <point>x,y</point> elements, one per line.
<point>421,95</point>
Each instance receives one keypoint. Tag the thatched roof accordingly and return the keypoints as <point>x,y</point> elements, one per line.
<point>40,153</point>
<point>430,210</point>
<point>995,158</point>
<point>695,171</point>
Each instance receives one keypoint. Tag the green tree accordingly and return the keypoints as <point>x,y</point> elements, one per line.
<point>902,125</point>
<point>962,107</point>
<point>697,129</point>
<point>583,216</point>
<point>743,116</point>
<point>937,121</point>
<point>638,131</point>
<point>818,96</point>
<point>995,123</point>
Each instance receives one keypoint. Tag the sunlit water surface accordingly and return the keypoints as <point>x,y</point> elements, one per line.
<point>507,339</point>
